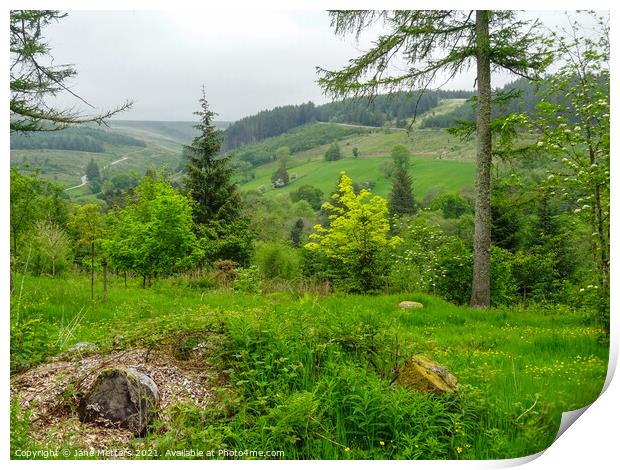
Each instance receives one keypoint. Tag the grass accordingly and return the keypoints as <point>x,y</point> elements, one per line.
<point>425,171</point>
<point>312,375</point>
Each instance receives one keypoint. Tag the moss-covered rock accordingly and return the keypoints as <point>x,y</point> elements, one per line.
<point>420,373</point>
<point>122,396</point>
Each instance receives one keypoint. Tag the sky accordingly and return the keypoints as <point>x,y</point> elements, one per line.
<point>247,60</point>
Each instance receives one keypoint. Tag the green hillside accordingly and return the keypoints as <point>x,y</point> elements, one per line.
<point>438,159</point>
<point>66,167</point>
<point>177,131</point>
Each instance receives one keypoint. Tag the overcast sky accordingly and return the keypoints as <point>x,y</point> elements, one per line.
<point>248,61</point>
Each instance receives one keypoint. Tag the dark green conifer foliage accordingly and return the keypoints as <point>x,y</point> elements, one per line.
<point>296,233</point>
<point>401,200</point>
<point>209,179</point>
<point>92,170</point>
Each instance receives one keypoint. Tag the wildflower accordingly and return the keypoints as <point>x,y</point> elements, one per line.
<point>346,449</point>
<point>459,450</point>
<point>381,443</point>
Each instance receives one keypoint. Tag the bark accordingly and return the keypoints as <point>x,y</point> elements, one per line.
<point>104,266</point>
<point>481,285</point>
<point>92,271</point>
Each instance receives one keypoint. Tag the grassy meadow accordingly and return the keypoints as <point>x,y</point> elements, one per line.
<point>312,375</point>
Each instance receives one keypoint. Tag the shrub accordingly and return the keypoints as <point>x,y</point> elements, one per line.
<point>248,280</point>
<point>333,153</point>
<point>225,272</point>
<point>276,260</point>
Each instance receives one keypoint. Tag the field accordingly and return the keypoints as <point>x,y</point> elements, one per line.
<point>438,160</point>
<point>312,375</point>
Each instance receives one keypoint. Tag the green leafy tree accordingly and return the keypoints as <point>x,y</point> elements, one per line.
<point>333,153</point>
<point>33,199</point>
<point>444,41</point>
<point>154,234</point>
<point>400,156</point>
<point>33,82</point>
<point>283,154</point>
<point>308,193</point>
<point>451,205</point>
<point>280,177</point>
<point>356,152</point>
<point>575,130</point>
<point>86,222</point>
<point>401,198</point>
<point>356,237</point>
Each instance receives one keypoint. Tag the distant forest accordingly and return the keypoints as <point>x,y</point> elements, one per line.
<point>83,139</point>
<point>395,108</point>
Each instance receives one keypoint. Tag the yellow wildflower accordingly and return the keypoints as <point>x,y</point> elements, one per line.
<point>382,443</point>
<point>346,449</point>
<point>459,450</point>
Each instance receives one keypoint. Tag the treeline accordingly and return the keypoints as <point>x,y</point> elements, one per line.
<point>519,96</point>
<point>394,108</point>
<point>83,139</point>
<point>298,139</point>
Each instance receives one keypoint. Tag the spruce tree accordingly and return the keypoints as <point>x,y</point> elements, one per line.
<point>296,232</point>
<point>401,199</point>
<point>92,170</point>
<point>209,175</point>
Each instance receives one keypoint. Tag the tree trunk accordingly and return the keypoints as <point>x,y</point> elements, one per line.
<point>125,279</point>
<point>104,266</point>
<point>481,285</point>
<point>92,271</point>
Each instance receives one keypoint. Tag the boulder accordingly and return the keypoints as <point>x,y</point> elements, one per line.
<point>123,396</point>
<point>420,373</point>
<point>410,304</point>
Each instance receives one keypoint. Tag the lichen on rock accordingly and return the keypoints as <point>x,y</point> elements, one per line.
<point>422,374</point>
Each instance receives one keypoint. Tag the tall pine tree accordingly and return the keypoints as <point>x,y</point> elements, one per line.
<point>209,175</point>
<point>223,232</point>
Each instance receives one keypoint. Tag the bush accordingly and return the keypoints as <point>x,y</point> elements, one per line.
<point>248,280</point>
<point>277,260</point>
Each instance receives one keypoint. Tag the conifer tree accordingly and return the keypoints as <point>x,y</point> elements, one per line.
<point>296,232</point>
<point>401,199</point>
<point>209,175</point>
<point>92,170</point>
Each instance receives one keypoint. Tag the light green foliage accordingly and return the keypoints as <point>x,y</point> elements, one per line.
<point>153,235</point>
<point>248,280</point>
<point>277,260</point>
<point>357,235</point>
<point>451,205</point>
<point>308,193</point>
<point>32,199</point>
<point>400,156</point>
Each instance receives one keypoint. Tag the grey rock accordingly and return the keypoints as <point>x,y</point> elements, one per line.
<point>410,304</point>
<point>123,396</point>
